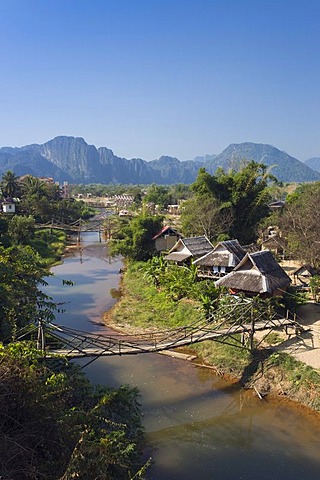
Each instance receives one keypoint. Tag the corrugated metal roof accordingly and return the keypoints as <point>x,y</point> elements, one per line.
<point>166,230</point>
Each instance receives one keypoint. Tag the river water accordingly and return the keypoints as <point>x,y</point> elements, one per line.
<point>198,427</point>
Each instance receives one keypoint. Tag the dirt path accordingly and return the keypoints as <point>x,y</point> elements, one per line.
<point>306,347</point>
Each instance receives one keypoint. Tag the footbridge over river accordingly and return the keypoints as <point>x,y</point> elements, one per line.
<point>245,331</point>
<point>80,225</point>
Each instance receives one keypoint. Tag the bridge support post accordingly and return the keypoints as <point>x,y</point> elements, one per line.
<point>251,334</point>
<point>79,232</point>
<point>41,338</point>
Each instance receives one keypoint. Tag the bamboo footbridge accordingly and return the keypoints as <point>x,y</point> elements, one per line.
<point>58,340</point>
<point>78,226</point>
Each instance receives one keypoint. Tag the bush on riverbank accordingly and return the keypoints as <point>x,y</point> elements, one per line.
<point>55,424</point>
<point>50,244</point>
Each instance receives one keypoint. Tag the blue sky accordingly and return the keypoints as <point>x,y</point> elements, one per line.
<point>171,77</point>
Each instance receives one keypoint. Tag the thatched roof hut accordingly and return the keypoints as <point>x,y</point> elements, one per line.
<point>188,248</point>
<point>257,274</point>
<point>221,260</point>
<point>304,273</point>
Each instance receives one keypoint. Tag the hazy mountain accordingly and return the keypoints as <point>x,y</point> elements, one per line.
<point>284,167</point>
<point>205,158</point>
<point>313,163</point>
<point>24,162</point>
<point>72,159</point>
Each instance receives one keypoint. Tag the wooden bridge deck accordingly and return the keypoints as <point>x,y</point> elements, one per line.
<point>110,346</point>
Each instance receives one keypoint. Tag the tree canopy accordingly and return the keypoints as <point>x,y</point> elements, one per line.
<point>134,240</point>
<point>239,201</point>
<point>300,223</point>
<point>9,184</point>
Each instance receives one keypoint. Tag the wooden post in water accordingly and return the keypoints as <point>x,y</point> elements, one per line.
<point>79,231</point>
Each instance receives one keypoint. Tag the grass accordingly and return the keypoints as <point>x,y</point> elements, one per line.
<point>143,305</point>
<point>228,358</point>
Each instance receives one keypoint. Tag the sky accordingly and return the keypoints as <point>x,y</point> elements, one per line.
<point>147,78</point>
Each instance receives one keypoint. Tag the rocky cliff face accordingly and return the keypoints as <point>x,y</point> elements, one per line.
<point>72,159</point>
<point>283,166</point>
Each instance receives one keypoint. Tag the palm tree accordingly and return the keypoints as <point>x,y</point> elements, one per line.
<point>31,185</point>
<point>9,184</point>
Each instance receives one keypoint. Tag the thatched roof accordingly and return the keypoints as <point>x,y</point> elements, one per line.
<point>225,254</point>
<point>177,256</point>
<point>198,245</point>
<point>305,271</point>
<point>256,273</point>
<point>189,247</point>
<point>274,241</point>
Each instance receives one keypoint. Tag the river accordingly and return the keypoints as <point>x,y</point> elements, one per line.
<point>197,425</point>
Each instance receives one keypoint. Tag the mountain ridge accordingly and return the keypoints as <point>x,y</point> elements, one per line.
<point>314,163</point>
<point>74,160</point>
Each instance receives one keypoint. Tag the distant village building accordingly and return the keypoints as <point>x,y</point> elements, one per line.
<point>64,189</point>
<point>124,213</point>
<point>166,238</point>
<point>272,240</point>
<point>221,260</point>
<point>8,205</point>
<point>119,200</point>
<point>188,249</point>
<point>276,244</point>
<point>173,209</point>
<point>257,274</point>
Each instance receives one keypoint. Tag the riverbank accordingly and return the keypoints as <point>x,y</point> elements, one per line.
<point>270,371</point>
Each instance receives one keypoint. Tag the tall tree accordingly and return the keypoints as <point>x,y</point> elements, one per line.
<point>241,197</point>
<point>21,300</point>
<point>203,215</point>
<point>300,223</point>
<point>135,240</point>
<point>9,184</point>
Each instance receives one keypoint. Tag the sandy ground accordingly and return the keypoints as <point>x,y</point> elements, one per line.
<point>306,347</point>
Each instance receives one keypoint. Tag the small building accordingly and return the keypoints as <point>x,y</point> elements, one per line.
<point>124,213</point>
<point>166,238</point>
<point>303,274</point>
<point>173,209</point>
<point>257,274</point>
<point>276,244</point>
<point>221,260</point>
<point>188,249</point>
<point>8,205</point>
